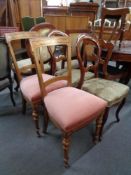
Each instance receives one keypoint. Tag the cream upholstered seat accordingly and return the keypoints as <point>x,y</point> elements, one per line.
<point>76,75</point>
<point>111,91</point>
<point>68,108</point>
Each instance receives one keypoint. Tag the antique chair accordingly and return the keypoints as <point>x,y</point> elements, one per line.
<point>76,72</point>
<point>116,37</point>
<point>112,92</point>
<point>5,70</point>
<point>69,108</point>
<point>44,29</point>
<point>29,85</point>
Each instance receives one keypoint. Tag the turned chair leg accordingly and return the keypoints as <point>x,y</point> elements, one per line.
<point>66,143</point>
<point>105,117</point>
<point>46,120</point>
<point>35,116</point>
<point>99,128</point>
<point>11,95</point>
<point>119,108</point>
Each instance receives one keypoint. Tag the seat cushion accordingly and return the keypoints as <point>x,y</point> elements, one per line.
<point>30,87</point>
<point>75,75</point>
<point>25,62</point>
<point>111,91</point>
<point>70,108</point>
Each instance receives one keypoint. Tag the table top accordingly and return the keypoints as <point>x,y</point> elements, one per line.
<point>123,53</point>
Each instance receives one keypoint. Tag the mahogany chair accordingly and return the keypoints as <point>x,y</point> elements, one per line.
<point>76,71</point>
<point>29,85</point>
<point>116,37</point>
<point>69,109</point>
<point>111,91</point>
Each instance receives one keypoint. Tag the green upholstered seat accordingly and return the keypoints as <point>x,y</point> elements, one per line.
<point>111,91</point>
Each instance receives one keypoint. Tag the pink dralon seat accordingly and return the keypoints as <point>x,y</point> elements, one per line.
<point>71,108</point>
<point>31,90</point>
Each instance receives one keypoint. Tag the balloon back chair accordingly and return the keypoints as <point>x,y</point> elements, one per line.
<point>5,69</point>
<point>111,91</point>
<point>118,16</point>
<point>69,108</point>
<point>29,85</point>
<point>76,71</point>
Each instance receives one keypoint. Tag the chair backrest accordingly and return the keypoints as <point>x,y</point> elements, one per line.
<point>91,55</point>
<point>27,23</point>
<point>43,29</point>
<point>18,36</point>
<point>4,60</point>
<point>88,54</point>
<point>74,34</point>
<point>51,42</point>
<point>39,19</point>
<point>116,14</point>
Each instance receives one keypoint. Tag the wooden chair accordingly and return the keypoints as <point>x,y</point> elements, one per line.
<point>5,70</point>
<point>76,72</point>
<point>44,29</point>
<point>116,37</point>
<point>70,109</point>
<point>29,85</point>
<point>112,92</point>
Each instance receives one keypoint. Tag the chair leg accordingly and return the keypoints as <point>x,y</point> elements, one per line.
<point>119,108</point>
<point>35,116</point>
<point>11,92</point>
<point>23,106</point>
<point>46,120</point>
<point>17,82</point>
<point>66,143</point>
<point>105,116</point>
<point>98,131</point>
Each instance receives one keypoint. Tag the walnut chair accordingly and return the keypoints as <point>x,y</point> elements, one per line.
<point>111,91</point>
<point>76,72</point>
<point>29,85</point>
<point>69,108</point>
<point>116,37</point>
<point>5,70</point>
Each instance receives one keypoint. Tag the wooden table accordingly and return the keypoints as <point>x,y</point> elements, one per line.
<point>123,54</point>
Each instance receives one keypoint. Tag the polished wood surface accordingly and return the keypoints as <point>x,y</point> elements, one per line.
<point>123,53</point>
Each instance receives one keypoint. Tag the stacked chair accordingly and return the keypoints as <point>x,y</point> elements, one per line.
<point>68,108</point>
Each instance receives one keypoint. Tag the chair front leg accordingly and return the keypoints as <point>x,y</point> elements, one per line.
<point>35,116</point>
<point>98,131</point>
<point>66,143</point>
<point>46,120</point>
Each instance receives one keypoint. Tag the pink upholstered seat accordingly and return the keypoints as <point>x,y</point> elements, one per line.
<point>31,90</point>
<point>71,108</point>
